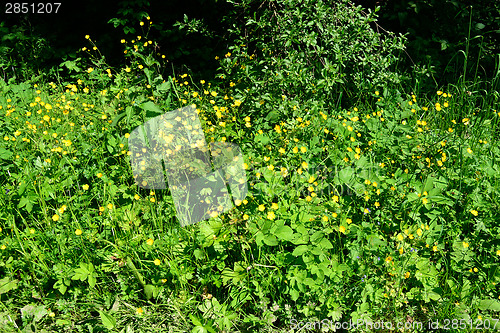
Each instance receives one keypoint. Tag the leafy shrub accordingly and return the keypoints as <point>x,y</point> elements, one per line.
<point>311,50</point>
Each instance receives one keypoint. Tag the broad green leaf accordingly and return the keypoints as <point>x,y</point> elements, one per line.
<point>5,154</point>
<point>284,232</point>
<point>299,250</point>
<point>150,106</point>
<point>6,285</point>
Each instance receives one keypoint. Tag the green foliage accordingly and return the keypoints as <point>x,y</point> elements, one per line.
<point>308,49</point>
<point>383,210</point>
<point>21,53</point>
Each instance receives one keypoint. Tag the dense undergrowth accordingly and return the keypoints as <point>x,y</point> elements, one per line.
<point>367,200</point>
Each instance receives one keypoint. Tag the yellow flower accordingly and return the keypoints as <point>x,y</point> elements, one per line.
<point>311,179</point>
<point>157,262</point>
<point>308,198</point>
<point>434,248</point>
<point>270,215</point>
<point>87,36</point>
<point>141,23</point>
<point>127,70</point>
<point>474,212</point>
<point>110,206</point>
<point>469,150</point>
<point>136,197</point>
<point>465,244</point>
<point>3,247</point>
<point>349,221</point>
<point>425,201</point>
<point>342,229</point>
<point>439,92</point>
<point>262,208</point>
<point>407,275</point>
<point>90,70</point>
<point>304,165</point>
<point>99,175</point>
<point>85,187</point>
<point>245,217</point>
<point>295,150</point>
<point>303,149</point>
<point>274,205</point>
<point>150,241</point>
<point>325,218</point>
<point>139,311</point>
<point>78,232</point>
<point>55,217</point>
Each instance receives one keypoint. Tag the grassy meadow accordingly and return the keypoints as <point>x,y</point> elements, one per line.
<point>382,208</point>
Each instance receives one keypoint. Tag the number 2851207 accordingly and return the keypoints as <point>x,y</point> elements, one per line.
<point>33,8</point>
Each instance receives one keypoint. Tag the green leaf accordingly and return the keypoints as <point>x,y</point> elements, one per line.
<point>270,240</point>
<point>35,311</point>
<point>5,153</point>
<point>107,320</point>
<point>284,232</point>
<point>150,106</point>
<point>299,250</point>
<point>163,86</point>
<point>7,285</point>
<point>150,291</point>
<point>489,304</point>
